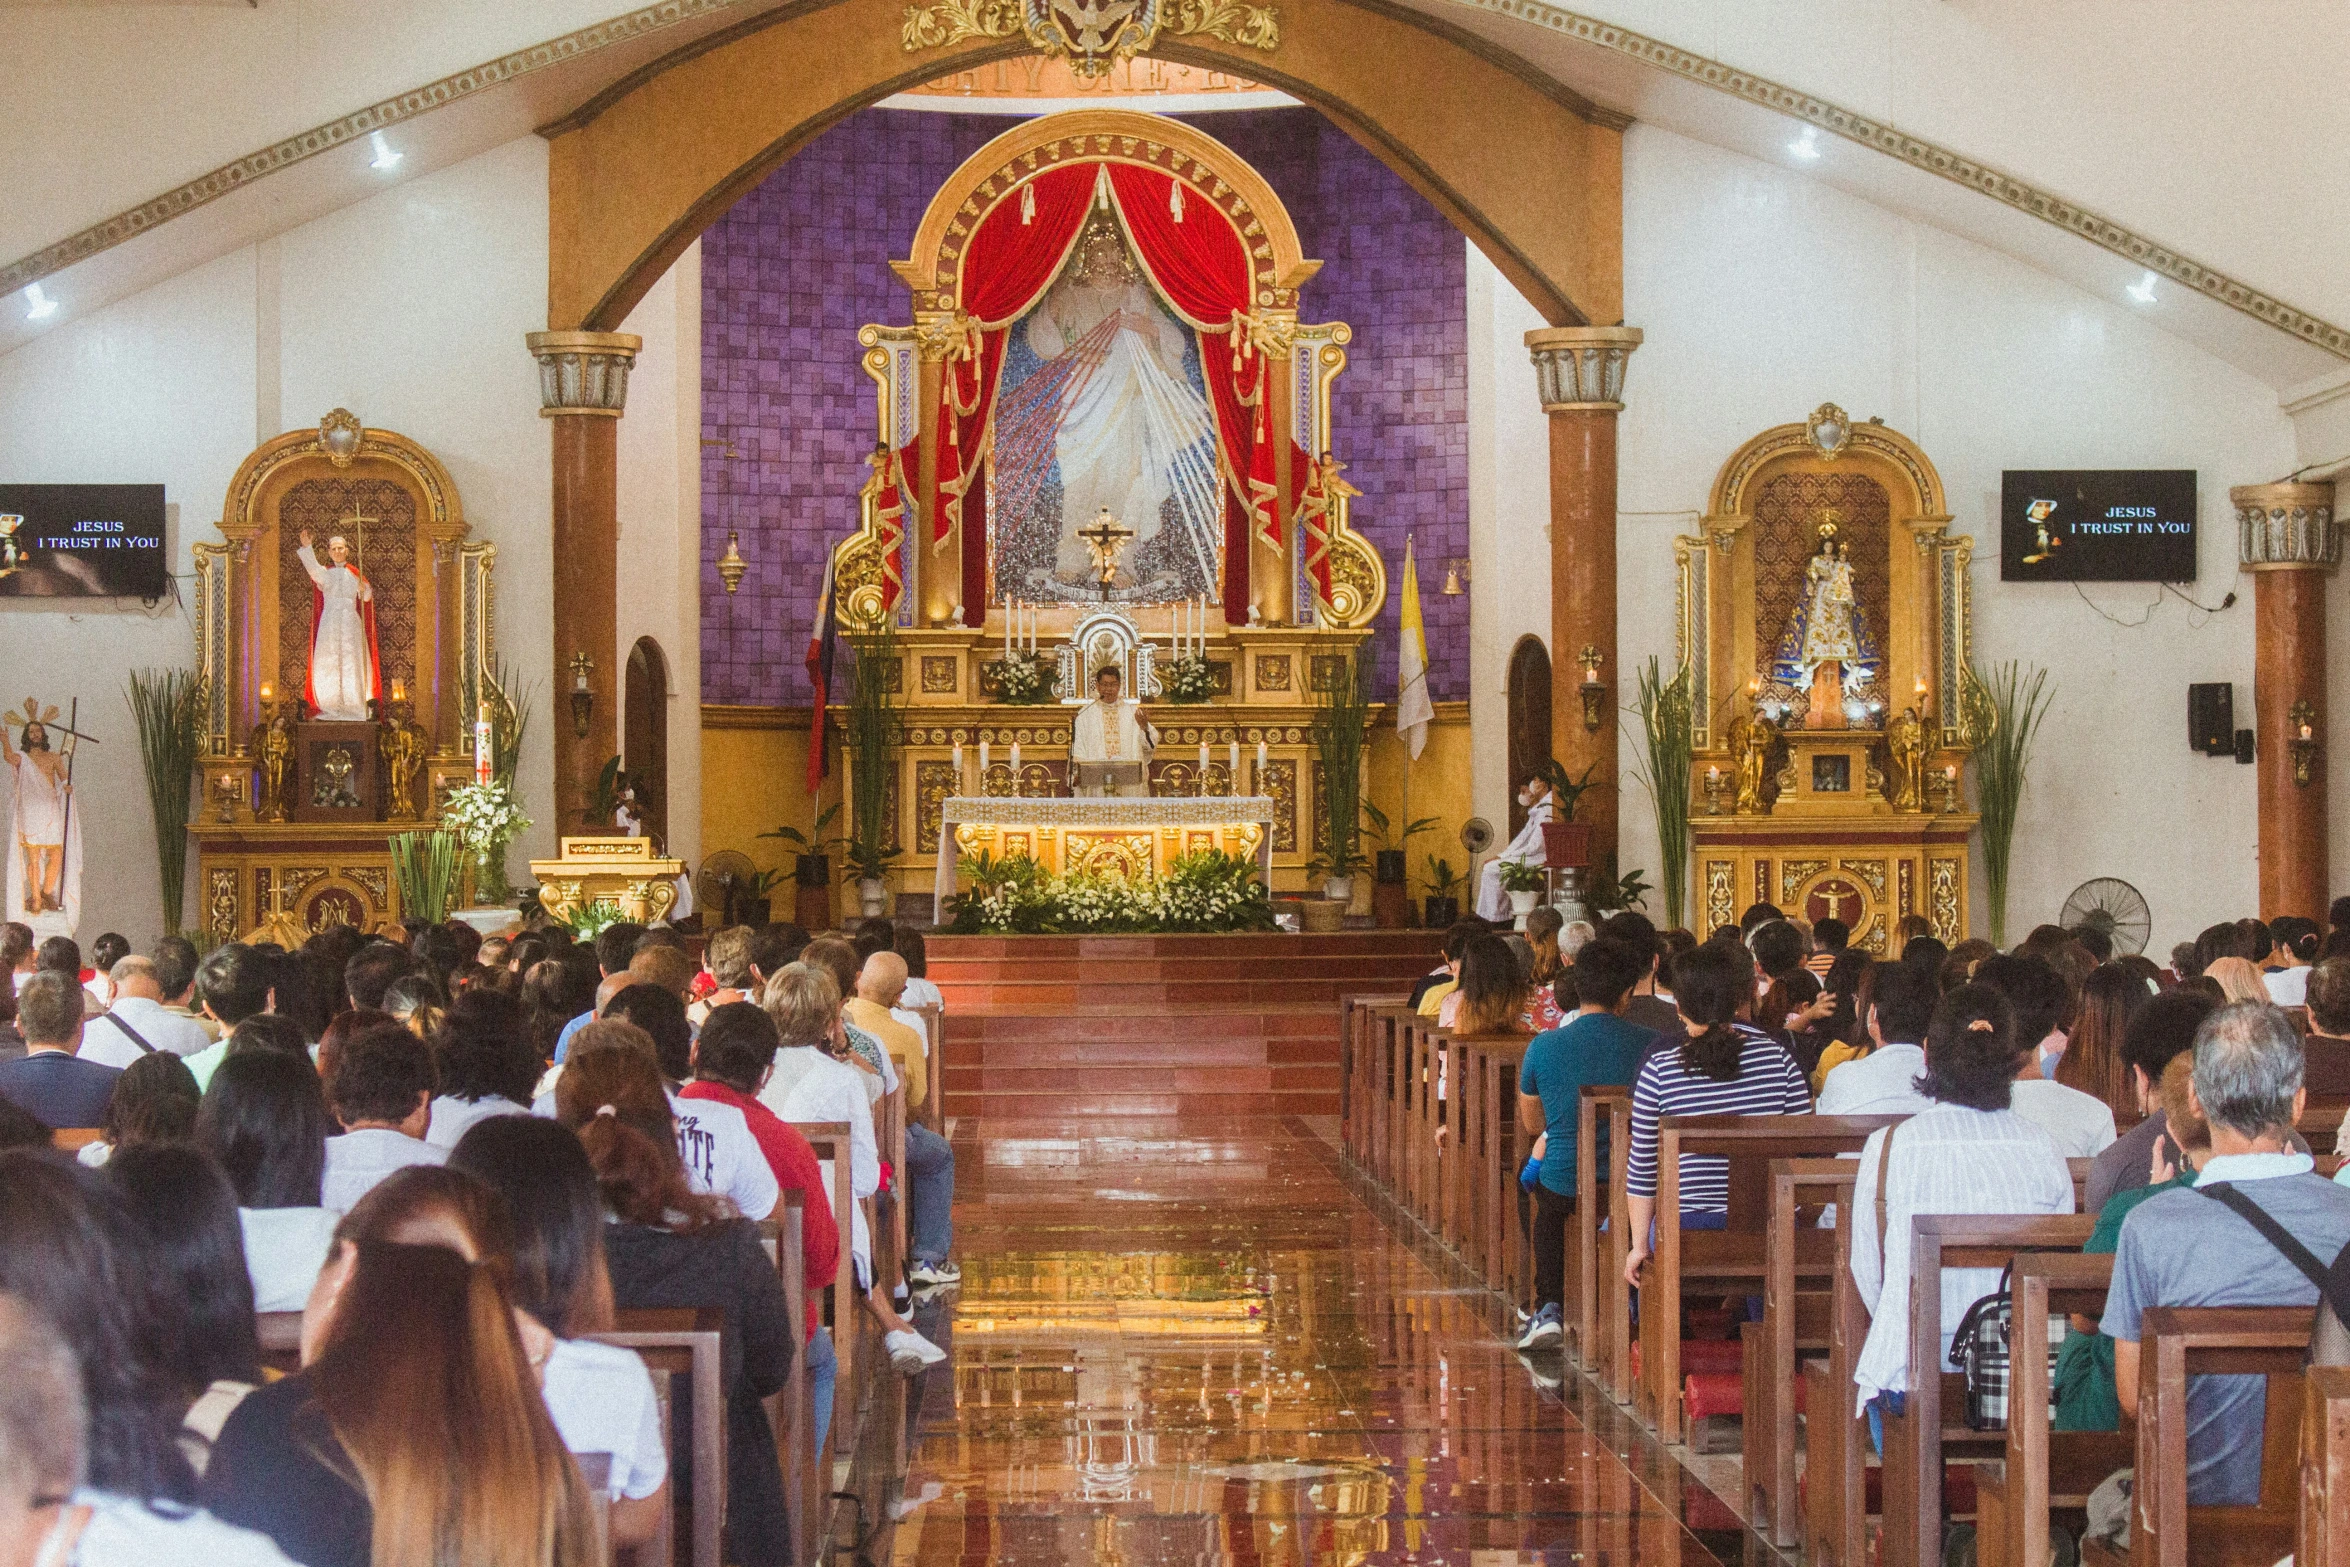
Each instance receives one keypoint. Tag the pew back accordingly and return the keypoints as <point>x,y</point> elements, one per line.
<point>689,1344</point>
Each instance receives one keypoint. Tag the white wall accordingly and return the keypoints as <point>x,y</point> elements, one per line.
<point>1509,522</point>
<point>409,309</point>
<point>660,496</point>
<point>1764,294</point>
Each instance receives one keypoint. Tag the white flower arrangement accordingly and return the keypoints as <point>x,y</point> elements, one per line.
<point>1207,891</point>
<point>485,817</point>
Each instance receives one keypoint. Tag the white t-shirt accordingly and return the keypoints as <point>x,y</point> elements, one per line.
<point>811,1087</point>
<point>1877,1084</point>
<point>453,1118</point>
<point>108,1045</point>
<point>721,1156</point>
<point>2287,987</point>
<point>357,1161</point>
<point>284,1249</point>
<point>127,1533</point>
<point>601,1398</point>
<point>921,993</point>
<point>2082,1124</point>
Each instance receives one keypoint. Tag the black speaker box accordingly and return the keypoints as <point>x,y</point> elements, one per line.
<point>2211,718</point>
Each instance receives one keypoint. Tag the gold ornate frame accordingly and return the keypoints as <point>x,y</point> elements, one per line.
<point>905,362</point>
<point>1929,622</point>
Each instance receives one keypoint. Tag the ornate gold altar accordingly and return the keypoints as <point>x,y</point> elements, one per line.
<point>1052,366</point>
<point>1824,616</point>
<point>292,807</point>
<point>624,872</point>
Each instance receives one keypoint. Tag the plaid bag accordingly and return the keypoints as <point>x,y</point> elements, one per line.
<point>1980,1350</point>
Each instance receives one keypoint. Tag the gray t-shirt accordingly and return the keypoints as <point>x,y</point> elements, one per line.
<point>2182,1248</point>
<point>2124,1166</point>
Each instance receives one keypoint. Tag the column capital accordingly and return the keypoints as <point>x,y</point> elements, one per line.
<point>1581,366</point>
<point>2285,527</point>
<point>583,372</point>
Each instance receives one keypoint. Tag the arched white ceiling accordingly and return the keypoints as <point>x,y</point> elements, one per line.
<point>2095,138</point>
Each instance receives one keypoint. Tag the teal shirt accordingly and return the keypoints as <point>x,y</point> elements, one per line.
<point>1559,1064</point>
<point>2085,1383</point>
<point>207,1061</point>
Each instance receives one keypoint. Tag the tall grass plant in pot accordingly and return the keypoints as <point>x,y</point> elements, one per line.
<point>2003,717</point>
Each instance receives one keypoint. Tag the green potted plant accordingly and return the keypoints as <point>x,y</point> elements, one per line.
<point>754,901</point>
<point>424,868</point>
<point>2003,717</point>
<point>164,702</point>
<point>1342,721</point>
<point>872,729</point>
<point>811,868</point>
<point>1390,894</point>
<point>1024,679</point>
<point>1666,723</point>
<point>1443,905</point>
<point>1524,883</point>
<point>1566,841</point>
<point>1188,680</point>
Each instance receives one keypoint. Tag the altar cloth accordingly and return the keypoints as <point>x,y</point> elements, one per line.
<point>1130,835</point>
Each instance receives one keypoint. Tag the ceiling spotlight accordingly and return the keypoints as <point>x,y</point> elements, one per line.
<point>38,306</point>
<point>2143,290</point>
<point>1807,145</point>
<point>385,158</point>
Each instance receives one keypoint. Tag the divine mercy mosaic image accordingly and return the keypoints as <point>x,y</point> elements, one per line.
<point>1102,407</point>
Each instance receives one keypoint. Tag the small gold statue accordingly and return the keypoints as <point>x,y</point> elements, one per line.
<point>1905,739</point>
<point>1755,738</point>
<point>274,747</point>
<point>403,746</point>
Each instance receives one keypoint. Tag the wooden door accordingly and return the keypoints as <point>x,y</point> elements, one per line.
<point>644,733</point>
<point>1529,709</point>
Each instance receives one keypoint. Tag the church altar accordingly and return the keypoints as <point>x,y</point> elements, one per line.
<point>1131,837</point>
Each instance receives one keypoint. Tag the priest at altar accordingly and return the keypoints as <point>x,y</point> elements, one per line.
<point>1525,849</point>
<point>1111,731</point>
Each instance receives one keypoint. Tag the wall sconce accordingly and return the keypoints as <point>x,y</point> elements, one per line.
<point>2301,722</point>
<point>732,565</point>
<point>1456,575</point>
<point>583,700</point>
<point>1594,694</point>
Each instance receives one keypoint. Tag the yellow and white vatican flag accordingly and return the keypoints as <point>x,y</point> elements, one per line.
<point>1413,709</point>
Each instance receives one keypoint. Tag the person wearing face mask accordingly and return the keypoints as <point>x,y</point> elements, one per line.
<point>1525,849</point>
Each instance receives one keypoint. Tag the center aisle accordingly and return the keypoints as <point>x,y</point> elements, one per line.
<point>1197,1342</point>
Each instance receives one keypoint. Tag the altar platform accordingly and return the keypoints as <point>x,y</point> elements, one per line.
<point>1124,835</point>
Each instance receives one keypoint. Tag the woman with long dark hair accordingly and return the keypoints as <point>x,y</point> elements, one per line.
<point>1722,1067</point>
<point>414,1434</point>
<point>669,1245</point>
<point>154,1101</point>
<point>1493,993</point>
<point>263,1121</point>
<point>489,1063</point>
<point>2092,1060</point>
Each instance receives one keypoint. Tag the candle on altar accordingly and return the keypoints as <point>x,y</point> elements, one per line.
<point>958,761</point>
<point>1260,761</point>
<point>399,690</point>
<point>1203,761</point>
<point>1007,625</point>
<point>2306,732</point>
<point>1232,762</point>
<point>1015,767</point>
<point>482,746</point>
<point>1950,773</point>
<point>265,693</point>
<point>1713,778</point>
<point>983,758</point>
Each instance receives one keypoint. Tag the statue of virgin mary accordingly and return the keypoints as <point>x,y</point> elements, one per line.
<point>344,671</point>
<point>1826,645</point>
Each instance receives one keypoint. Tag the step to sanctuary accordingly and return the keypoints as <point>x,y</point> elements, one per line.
<point>1127,1026</point>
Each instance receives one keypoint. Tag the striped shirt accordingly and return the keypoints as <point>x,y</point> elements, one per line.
<point>1768,1083</point>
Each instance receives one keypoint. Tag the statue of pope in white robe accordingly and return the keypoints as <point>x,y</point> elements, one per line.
<point>1525,849</point>
<point>342,640</point>
<point>1111,730</point>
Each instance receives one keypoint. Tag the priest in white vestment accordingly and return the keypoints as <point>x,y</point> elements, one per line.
<point>342,633</point>
<point>1111,730</point>
<point>1525,849</point>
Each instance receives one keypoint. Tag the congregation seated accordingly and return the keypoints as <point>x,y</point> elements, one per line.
<point>154,1103</point>
<point>2093,1061</point>
<point>2158,1033</point>
<point>1493,996</point>
<point>721,1157</point>
<point>234,983</point>
<point>920,992</point>
<point>136,1022</point>
<point>1542,958</point>
<point>2297,942</point>
<point>2326,1047</point>
<point>1973,1151</point>
<point>668,1244</point>
<point>930,1158</point>
<point>2238,980</point>
<point>1595,1046</point>
<point>382,1093</point>
<point>49,1082</point>
<point>2081,1124</point>
<point>485,1062</point>
<point>1880,1076</point>
<point>838,958</point>
<point>1650,1005</point>
<point>264,1121</point>
<point>1720,1067</point>
<point>1432,987</point>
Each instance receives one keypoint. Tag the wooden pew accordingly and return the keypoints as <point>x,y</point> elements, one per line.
<point>1798,1297</point>
<point>932,1112</point>
<point>830,1141</point>
<point>792,1412</point>
<point>1615,1295</point>
<point>2173,1344</point>
<point>1836,1444</point>
<point>2042,1469</point>
<point>2324,1535</point>
<point>1402,1095</point>
<point>1420,1154</point>
<point>689,1344</point>
<point>1586,1278</point>
<point>889,1229</point>
<point>1361,1091</point>
<point>1918,1441</point>
<point>1728,1261</point>
<point>1491,1149</point>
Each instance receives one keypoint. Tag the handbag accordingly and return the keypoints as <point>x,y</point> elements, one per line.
<point>1980,1351</point>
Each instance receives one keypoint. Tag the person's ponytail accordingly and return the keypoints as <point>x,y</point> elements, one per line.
<point>1707,982</point>
<point>1713,1054</point>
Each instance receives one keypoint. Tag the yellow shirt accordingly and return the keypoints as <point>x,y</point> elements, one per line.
<point>905,1047</point>
<point>1433,997</point>
<point>1833,1057</point>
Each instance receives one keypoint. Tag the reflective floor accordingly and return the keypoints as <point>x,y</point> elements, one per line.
<point>1182,1343</point>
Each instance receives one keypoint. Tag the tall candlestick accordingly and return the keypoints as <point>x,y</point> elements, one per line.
<point>1007,626</point>
<point>482,747</point>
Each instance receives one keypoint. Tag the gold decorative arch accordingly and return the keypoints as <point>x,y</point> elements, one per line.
<point>445,637</point>
<point>1926,616</point>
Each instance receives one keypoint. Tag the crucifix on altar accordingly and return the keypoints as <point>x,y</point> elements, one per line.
<point>1105,536</point>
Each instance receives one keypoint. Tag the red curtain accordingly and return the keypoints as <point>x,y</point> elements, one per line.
<point>1012,256</point>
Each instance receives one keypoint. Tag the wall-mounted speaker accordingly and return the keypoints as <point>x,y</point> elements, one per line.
<point>2244,745</point>
<point>2211,718</point>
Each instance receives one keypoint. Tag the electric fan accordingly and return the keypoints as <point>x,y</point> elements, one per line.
<point>2114,907</point>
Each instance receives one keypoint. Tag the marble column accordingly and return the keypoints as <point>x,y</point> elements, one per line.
<point>1579,371</point>
<point>583,386</point>
<point>2285,536</point>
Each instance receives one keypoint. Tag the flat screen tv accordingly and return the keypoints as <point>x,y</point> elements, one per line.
<point>2097,525</point>
<point>82,541</point>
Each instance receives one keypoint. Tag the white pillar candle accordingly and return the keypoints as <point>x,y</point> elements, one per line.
<point>958,764</point>
<point>983,758</point>
<point>1203,759</point>
<point>1260,763</point>
<point>1015,767</point>
<point>1007,625</point>
<point>1232,764</point>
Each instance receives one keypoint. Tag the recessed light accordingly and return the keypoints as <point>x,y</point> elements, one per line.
<point>2143,290</point>
<point>385,158</point>
<point>1807,145</point>
<point>38,306</point>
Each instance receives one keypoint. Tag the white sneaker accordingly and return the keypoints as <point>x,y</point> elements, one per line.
<point>910,1353</point>
<point>926,1275</point>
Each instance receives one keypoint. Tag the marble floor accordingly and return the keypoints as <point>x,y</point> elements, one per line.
<point>1183,1343</point>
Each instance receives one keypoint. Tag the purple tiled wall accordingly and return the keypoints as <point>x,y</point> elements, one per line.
<point>798,265</point>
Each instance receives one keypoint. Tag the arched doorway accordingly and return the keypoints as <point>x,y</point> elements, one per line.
<point>1529,717</point>
<point>644,734</point>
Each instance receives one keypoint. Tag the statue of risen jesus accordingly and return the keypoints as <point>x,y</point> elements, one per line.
<point>1111,730</point>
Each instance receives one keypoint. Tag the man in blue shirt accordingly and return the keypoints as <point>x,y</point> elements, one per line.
<point>50,1083</point>
<point>1594,1046</point>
